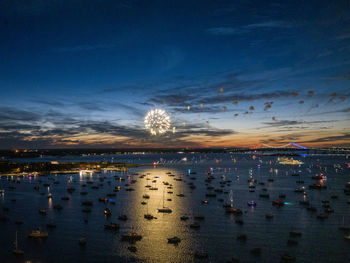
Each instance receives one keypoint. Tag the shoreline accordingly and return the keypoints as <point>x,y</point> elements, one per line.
<point>45,168</point>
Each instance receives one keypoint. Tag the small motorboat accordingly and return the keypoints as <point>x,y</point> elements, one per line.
<point>252,203</point>
<point>70,189</point>
<point>174,240</point>
<point>82,241</point>
<point>42,211</point>
<point>132,249</point>
<point>112,226</point>
<point>287,257</point>
<point>58,207</point>
<point>164,210</point>
<point>233,210</point>
<point>184,218</point>
<point>269,216</point>
<point>278,203</point>
<point>295,234</point>
<point>146,196</point>
<point>38,234</point>
<point>86,203</point>
<point>131,237</point>
<point>318,177</point>
<point>103,199</point>
<point>256,251</point>
<point>122,217</point>
<point>300,189</point>
<point>149,217</point>
<point>195,225</point>
<point>322,216</point>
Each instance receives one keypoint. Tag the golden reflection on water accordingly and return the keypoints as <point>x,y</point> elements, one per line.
<point>50,203</point>
<point>156,232</point>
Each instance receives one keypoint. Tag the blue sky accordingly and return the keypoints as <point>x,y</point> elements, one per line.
<point>84,73</point>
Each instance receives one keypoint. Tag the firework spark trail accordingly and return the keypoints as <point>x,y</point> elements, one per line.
<point>157,121</point>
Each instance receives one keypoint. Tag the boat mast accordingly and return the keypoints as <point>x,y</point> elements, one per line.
<point>16,243</point>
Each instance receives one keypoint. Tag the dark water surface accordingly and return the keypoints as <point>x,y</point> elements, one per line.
<point>321,240</point>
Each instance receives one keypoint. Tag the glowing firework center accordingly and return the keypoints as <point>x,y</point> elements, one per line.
<point>157,121</point>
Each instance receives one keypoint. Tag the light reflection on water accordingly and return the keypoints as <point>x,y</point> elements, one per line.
<point>218,233</point>
<point>156,231</point>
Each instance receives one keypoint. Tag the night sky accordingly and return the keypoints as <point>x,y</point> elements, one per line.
<point>81,73</point>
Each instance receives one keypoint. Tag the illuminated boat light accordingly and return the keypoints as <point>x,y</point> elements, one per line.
<point>251,203</point>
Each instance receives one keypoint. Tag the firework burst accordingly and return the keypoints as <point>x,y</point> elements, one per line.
<point>157,121</point>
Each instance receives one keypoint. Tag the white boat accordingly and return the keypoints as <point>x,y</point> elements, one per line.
<point>38,234</point>
<point>17,251</point>
<point>347,237</point>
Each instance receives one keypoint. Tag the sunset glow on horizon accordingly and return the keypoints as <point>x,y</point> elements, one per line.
<point>228,74</point>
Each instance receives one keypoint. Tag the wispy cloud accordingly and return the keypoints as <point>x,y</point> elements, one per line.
<point>343,137</point>
<point>56,129</point>
<point>80,48</point>
<point>271,24</point>
<point>222,31</point>
<point>234,30</point>
<point>288,123</point>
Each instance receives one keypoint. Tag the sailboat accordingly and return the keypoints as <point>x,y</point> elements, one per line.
<point>148,186</point>
<point>182,191</point>
<point>164,209</point>
<point>230,209</point>
<point>17,251</point>
<point>300,181</point>
<point>148,216</point>
<point>343,227</point>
